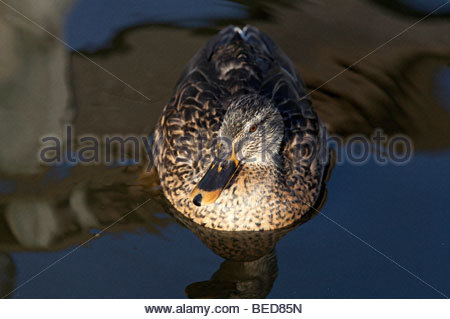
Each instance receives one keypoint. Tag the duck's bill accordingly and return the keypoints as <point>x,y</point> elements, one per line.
<point>214,182</point>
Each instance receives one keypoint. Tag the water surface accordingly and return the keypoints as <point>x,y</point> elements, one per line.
<point>383,231</point>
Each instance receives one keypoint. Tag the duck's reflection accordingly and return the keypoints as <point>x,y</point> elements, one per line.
<point>238,279</point>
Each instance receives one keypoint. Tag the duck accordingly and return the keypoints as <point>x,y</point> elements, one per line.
<point>239,146</point>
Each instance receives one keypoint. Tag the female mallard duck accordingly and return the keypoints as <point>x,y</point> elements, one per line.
<point>239,146</point>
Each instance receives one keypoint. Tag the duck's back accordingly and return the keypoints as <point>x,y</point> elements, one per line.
<point>233,62</point>
<point>242,61</point>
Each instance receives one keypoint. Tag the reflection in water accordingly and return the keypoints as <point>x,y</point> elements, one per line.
<point>7,274</point>
<point>34,84</point>
<point>238,279</point>
<point>47,209</point>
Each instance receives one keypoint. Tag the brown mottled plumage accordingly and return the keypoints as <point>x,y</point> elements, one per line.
<point>241,98</point>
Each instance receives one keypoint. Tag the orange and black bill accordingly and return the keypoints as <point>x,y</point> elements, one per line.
<point>215,180</point>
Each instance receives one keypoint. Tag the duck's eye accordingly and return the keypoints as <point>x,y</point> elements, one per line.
<point>252,128</point>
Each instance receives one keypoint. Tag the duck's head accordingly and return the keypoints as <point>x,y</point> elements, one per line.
<point>250,134</point>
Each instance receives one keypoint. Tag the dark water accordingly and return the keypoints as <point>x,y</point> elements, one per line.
<point>384,230</point>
